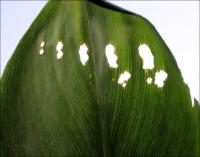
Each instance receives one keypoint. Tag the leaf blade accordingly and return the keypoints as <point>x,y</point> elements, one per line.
<point>59,107</point>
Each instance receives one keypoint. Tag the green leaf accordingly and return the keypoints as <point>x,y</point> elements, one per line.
<point>60,107</point>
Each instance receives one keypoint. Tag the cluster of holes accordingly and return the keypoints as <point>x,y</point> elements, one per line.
<point>123,78</point>
<point>144,52</point>
<point>59,48</point>
<point>41,46</point>
<point>148,64</point>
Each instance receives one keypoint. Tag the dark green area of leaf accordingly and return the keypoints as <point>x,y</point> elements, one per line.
<point>53,107</point>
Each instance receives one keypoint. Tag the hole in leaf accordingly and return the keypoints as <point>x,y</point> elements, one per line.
<point>59,46</point>
<point>59,54</point>
<point>83,50</point>
<point>124,85</point>
<point>160,77</point>
<point>111,56</point>
<point>41,52</point>
<point>146,55</point>
<point>42,44</point>
<point>123,78</point>
<point>149,80</point>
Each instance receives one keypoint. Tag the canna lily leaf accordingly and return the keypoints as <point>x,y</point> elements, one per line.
<point>91,79</point>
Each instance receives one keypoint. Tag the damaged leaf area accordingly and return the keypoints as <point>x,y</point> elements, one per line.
<point>91,79</point>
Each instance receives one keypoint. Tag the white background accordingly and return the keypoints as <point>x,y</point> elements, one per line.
<point>176,21</point>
